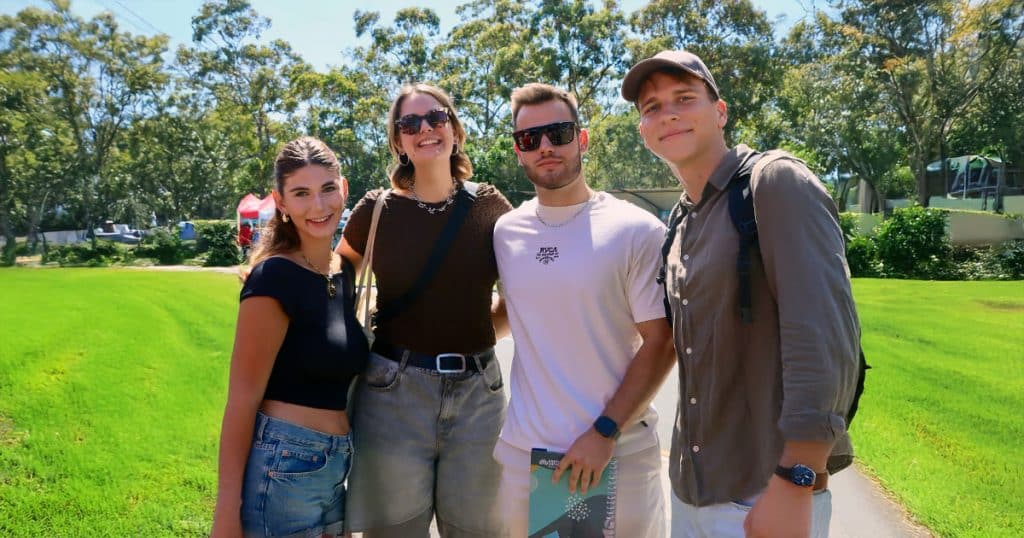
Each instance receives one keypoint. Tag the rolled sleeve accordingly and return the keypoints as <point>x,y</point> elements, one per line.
<point>805,265</point>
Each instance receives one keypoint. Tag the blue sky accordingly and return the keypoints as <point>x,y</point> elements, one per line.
<point>319,30</point>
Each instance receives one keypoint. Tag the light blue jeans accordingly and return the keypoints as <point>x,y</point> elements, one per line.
<point>425,442</point>
<point>294,481</point>
<point>726,520</point>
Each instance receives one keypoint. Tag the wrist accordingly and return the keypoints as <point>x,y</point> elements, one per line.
<point>606,427</point>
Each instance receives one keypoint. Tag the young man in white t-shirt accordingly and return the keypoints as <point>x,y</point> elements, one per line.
<point>592,345</point>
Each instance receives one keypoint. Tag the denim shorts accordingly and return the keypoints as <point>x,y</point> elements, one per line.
<point>426,443</point>
<point>294,481</point>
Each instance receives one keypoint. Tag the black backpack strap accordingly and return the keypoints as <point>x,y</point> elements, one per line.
<point>463,202</point>
<point>741,212</point>
<point>674,219</point>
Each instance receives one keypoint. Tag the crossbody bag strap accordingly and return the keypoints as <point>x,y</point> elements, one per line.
<point>463,201</point>
<point>363,290</point>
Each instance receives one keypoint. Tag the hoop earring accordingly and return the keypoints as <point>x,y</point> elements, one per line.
<point>403,159</point>
<point>284,217</point>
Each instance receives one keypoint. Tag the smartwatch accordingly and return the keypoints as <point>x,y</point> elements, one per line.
<point>606,427</point>
<point>799,474</point>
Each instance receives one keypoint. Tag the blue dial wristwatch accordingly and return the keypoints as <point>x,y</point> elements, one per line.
<point>799,474</point>
<point>606,427</point>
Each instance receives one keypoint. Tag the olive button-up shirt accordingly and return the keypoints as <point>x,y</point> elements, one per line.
<point>747,388</point>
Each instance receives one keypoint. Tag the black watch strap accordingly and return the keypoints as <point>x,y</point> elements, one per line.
<point>607,427</point>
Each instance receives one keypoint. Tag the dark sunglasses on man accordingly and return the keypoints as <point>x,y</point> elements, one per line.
<point>411,124</point>
<point>559,134</point>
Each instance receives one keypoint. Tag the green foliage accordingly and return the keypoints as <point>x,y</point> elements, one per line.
<point>1006,260</point>
<point>165,246</point>
<point>862,256</point>
<point>219,241</point>
<point>78,254</point>
<point>849,223</point>
<point>913,243</point>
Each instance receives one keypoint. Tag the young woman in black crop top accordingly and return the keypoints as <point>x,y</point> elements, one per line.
<point>285,448</point>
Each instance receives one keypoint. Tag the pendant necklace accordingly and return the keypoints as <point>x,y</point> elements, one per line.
<point>331,289</point>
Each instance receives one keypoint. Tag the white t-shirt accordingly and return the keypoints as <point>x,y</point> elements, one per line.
<point>574,295</point>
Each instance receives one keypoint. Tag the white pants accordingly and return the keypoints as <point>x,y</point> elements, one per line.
<point>640,502</point>
<point>726,520</point>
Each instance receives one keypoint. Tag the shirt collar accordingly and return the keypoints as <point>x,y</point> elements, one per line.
<point>723,173</point>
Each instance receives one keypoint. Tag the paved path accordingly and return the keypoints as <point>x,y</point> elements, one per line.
<point>859,507</point>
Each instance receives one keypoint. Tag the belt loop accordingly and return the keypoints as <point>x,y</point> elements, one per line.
<point>404,361</point>
<point>479,363</point>
<point>261,424</point>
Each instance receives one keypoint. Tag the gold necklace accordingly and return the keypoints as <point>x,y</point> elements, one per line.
<point>331,289</point>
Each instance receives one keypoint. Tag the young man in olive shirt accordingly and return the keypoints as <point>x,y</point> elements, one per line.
<point>760,421</point>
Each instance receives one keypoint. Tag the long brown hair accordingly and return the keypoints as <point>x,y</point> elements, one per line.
<point>279,236</point>
<point>402,175</point>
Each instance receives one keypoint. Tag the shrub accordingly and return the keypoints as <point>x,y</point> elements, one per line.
<point>850,224</point>
<point>218,240</point>
<point>862,256</point>
<point>1008,259</point>
<point>912,243</point>
<point>165,246</point>
<point>104,253</point>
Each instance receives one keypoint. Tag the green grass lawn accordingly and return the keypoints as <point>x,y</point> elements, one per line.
<point>112,384</point>
<point>941,423</point>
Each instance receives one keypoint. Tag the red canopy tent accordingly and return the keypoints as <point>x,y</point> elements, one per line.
<point>251,207</point>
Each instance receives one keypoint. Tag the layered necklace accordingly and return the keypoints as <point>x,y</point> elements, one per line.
<point>433,210</point>
<point>536,212</point>
<point>332,290</point>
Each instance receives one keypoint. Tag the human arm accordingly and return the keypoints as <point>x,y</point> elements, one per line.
<point>261,328</point>
<point>499,315</point>
<point>803,253</point>
<point>590,452</point>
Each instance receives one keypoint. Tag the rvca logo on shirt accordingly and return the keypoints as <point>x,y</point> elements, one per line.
<point>547,255</point>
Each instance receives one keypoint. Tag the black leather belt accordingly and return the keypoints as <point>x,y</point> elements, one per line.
<point>444,363</point>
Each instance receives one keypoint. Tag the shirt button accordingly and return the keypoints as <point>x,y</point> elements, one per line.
<point>694,213</point>
<point>695,449</point>
<point>693,401</point>
<point>689,350</point>
<point>686,256</point>
<point>686,302</point>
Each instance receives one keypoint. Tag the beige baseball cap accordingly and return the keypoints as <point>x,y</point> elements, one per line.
<point>667,59</point>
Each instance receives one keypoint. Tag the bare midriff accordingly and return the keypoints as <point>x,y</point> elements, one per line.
<point>334,422</point>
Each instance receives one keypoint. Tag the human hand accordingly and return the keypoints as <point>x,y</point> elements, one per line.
<point>587,457</point>
<point>782,511</point>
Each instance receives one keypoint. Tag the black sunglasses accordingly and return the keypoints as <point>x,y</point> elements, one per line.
<point>559,134</point>
<point>410,124</point>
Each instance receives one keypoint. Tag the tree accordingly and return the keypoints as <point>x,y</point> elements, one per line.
<point>98,79</point>
<point>246,80</point>
<point>932,58</point>
<point>734,39</point>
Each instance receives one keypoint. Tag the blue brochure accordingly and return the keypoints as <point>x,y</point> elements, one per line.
<point>556,513</point>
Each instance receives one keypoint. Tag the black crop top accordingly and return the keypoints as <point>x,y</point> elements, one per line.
<point>324,348</point>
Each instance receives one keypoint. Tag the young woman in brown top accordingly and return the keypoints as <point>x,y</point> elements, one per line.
<point>431,405</point>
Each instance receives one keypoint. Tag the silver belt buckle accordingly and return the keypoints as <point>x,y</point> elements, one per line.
<point>459,370</point>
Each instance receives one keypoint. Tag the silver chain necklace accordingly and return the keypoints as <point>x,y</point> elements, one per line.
<point>536,212</point>
<point>434,210</point>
